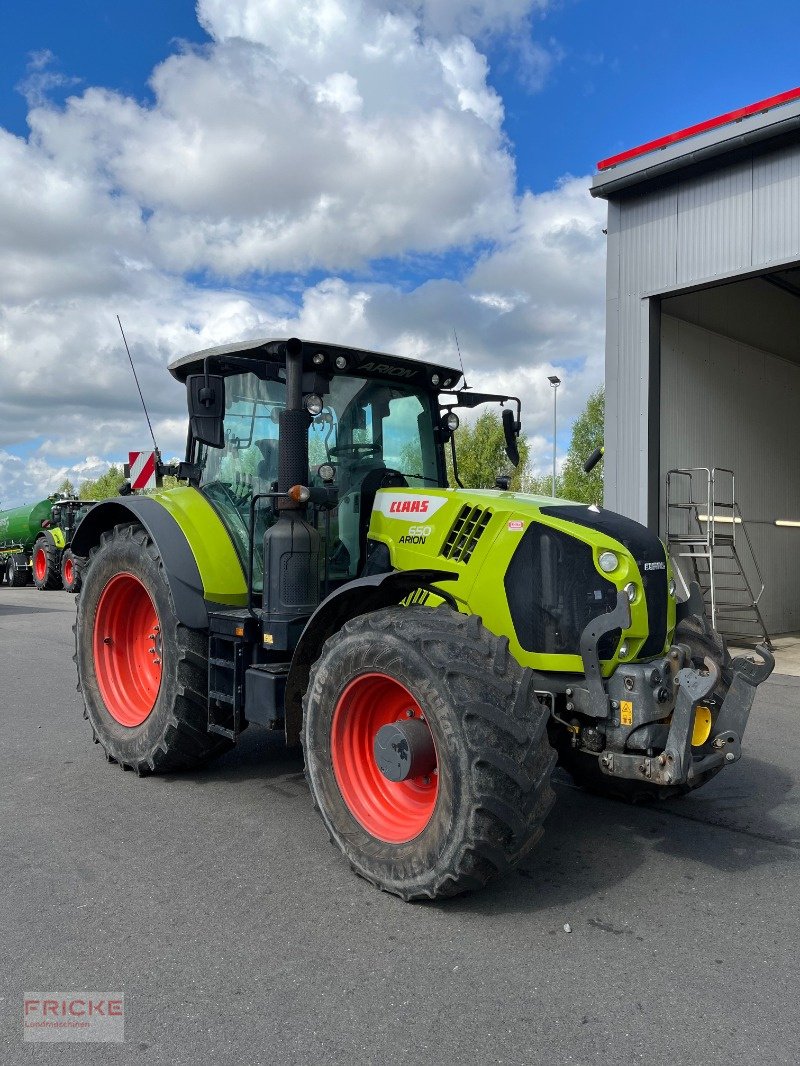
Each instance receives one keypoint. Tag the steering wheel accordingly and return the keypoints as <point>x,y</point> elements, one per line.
<point>355,449</point>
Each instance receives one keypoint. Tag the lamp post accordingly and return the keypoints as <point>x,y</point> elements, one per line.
<point>554,383</point>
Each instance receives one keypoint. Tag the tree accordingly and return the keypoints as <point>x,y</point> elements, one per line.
<point>66,487</point>
<point>104,487</point>
<point>587,434</point>
<point>571,481</point>
<point>481,454</point>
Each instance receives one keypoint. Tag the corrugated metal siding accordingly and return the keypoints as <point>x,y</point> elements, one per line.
<point>631,381</point>
<point>647,242</point>
<point>776,206</point>
<point>715,224</point>
<point>726,404</point>
<point>729,220</point>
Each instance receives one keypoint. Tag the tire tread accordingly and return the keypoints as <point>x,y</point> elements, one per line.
<point>510,757</point>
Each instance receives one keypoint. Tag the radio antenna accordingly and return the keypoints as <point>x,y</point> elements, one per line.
<point>461,361</point>
<point>138,386</point>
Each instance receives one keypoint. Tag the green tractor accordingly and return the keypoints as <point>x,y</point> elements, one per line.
<point>435,650</point>
<point>53,564</point>
<point>35,543</point>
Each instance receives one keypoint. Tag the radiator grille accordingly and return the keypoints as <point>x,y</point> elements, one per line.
<point>465,533</point>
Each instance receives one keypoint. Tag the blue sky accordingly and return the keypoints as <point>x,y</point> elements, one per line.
<point>263,172</point>
<point>627,72</point>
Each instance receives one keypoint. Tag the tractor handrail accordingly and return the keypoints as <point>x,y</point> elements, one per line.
<point>753,555</point>
<point>693,504</point>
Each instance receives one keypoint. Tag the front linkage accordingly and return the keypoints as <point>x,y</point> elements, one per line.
<point>676,765</point>
<point>667,704</point>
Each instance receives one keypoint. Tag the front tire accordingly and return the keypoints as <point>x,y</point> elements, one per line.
<point>70,574</point>
<point>473,811</point>
<point>142,673</point>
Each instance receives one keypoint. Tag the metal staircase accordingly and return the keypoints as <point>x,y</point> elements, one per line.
<point>705,528</point>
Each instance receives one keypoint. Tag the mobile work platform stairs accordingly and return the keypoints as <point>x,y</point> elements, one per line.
<point>706,535</point>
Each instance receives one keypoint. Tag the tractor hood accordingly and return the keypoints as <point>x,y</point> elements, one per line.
<point>535,567</point>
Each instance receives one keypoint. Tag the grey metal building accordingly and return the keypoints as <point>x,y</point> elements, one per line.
<point>703,326</point>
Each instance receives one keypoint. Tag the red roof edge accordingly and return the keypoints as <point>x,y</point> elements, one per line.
<point>701,127</point>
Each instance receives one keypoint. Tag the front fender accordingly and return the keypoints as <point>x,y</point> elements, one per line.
<point>362,596</point>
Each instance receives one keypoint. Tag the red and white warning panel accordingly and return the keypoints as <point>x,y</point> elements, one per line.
<point>143,469</point>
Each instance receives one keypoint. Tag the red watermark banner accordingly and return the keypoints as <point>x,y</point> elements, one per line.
<point>95,1017</point>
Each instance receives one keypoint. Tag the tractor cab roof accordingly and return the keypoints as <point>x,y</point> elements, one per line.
<point>234,358</point>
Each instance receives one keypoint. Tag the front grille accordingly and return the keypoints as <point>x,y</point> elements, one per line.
<point>554,591</point>
<point>646,548</point>
<point>465,533</point>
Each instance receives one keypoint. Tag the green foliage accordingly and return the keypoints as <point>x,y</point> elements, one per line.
<point>543,485</point>
<point>571,482</point>
<point>481,454</point>
<point>66,487</point>
<point>587,434</point>
<point>411,458</point>
<point>104,487</point>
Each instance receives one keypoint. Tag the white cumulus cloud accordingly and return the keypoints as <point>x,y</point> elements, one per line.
<point>304,137</point>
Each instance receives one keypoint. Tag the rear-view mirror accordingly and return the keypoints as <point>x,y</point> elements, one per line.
<point>205,396</point>
<point>510,433</point>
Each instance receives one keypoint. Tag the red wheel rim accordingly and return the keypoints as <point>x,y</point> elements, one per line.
<point>392,811</point>
<point>68,571</point>
<point>127,649</point>
<point>40,564</point>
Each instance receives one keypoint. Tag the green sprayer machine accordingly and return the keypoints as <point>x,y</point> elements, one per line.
<point>35,543</point>
<point>436,650</point>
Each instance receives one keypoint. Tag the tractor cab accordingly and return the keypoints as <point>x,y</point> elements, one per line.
<point>67,512</point>
<point>373,421</point>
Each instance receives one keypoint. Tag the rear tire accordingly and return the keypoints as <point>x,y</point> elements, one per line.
<point>46,563</point>
<point>70,574</point>
<point>584,768</point>
<point>426,838</point>
<point>147,708</point>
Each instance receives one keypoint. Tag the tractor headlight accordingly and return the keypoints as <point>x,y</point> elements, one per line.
<point>608,562</point>
<point>451,421</point>
<point>341,362</point>
<point>313,404</point>
<point>435,379</point>
<point>318,359</point>
<point>631,592</point>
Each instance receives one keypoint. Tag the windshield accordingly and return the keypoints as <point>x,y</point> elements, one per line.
<point>364,426</point>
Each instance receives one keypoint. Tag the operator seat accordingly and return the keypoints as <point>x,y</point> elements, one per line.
<point>377,478</point>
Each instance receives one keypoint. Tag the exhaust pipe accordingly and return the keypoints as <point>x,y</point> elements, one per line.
<point>292,546</point>
<point>293,423</point>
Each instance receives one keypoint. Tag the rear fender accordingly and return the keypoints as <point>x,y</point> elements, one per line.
<point>180,566</point>
<point>362,596</point>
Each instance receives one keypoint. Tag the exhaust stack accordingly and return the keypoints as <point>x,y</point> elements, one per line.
<point>292,546</point>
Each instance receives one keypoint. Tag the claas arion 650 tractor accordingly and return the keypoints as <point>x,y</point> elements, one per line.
<point>435,650</point>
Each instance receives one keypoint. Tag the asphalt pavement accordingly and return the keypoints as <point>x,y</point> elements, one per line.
<point>237,934</point>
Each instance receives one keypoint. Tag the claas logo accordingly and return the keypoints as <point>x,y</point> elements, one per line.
<point>409,507</point>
